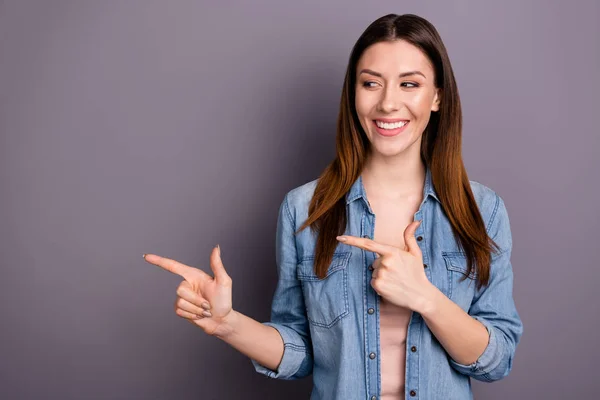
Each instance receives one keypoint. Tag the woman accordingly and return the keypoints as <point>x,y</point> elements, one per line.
<point>402,286</point>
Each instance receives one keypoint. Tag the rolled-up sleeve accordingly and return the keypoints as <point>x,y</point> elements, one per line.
<point>494,307</point>
<point>288,313</point>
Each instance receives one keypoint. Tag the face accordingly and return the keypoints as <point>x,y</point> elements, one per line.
<point>395,83</point>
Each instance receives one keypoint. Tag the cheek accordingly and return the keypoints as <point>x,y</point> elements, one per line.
<point>419,104</point>
<point>362,105</point>
<point>363,109</point>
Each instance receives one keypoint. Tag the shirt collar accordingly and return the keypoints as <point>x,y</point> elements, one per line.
<point>357,190</point>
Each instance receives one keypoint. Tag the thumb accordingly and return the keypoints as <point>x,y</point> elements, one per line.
<point>217,267</point>
<point>409,239</point>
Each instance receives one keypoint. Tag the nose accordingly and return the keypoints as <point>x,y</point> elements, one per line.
<point>389,101</point>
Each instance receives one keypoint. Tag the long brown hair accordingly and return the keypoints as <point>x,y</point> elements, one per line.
<point>440,151</point>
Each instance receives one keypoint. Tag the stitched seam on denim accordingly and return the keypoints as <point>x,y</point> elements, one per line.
<point>287,209</point>
<point>344,261</point>
<point>448,276</point>
<point>495,256</point>
<point>485,372</point>
<point>292,346</point>
<point>449,256</point>
<point>329,325</point>
<point>340,258</point>
<point>493,216</point>
<point>292,222</point>
<point>365,293</point>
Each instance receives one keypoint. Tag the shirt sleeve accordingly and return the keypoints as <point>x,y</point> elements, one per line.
<point>494,307</point>
<point>288,313</point>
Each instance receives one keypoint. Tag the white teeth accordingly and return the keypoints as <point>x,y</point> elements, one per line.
<point>395,125</point>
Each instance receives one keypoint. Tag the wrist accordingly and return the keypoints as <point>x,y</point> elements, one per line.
<point>427,304</point>
<point>228,325</point>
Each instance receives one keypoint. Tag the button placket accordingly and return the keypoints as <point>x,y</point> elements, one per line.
<point>371,301</point>
<point>413,333</point>
<point>421,243</point>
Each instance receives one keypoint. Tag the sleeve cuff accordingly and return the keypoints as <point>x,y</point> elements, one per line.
<point>294,354</point>
<point>487,361</point>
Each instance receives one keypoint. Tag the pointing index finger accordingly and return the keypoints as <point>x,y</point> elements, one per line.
<point>168,264</point>
<point>366,244</point>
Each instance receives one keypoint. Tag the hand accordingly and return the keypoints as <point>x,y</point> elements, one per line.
<point>398,274</point>
<point>201,299</point>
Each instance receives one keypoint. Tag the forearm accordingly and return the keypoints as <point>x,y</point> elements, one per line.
<point>462,336</point>
<point>253,339</point>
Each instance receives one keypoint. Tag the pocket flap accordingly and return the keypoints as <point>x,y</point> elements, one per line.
<point>457,261</point>
<point>305,270</point>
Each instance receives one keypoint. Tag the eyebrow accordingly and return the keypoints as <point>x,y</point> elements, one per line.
<point>402,75</point>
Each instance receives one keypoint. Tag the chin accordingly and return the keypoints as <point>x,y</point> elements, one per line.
<point>393,149</point>
<point>389,151</point>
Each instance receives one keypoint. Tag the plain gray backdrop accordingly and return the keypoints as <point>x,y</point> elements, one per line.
<point>166,127</point>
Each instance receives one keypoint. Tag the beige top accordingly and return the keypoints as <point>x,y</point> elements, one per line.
<point>393,322</point>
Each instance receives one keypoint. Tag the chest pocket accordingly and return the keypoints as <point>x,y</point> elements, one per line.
<point>461,287</point>
<point>326,299</point>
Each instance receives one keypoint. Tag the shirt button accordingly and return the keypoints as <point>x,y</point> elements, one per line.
<point>371,268</point>
<point>419,238</point>
<point>424,265</point>
<point>413,349</point>
<point>372,356</point>
<point>370,311</point>
<point>413,393</point>
<point>366,236</point>
<point>373,397</point>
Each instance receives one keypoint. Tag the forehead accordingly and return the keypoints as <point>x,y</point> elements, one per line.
<point>392,58</point>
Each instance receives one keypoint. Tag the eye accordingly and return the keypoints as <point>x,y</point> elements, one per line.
<point>410,83</point>
<point>413,84</point>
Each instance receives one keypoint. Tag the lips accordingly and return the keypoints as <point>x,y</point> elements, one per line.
<point>390,120</point>
<point>390,132</point>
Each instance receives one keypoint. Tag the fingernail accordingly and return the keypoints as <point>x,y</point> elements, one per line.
<point>205,305</point>
<point>207,313</point>
<point>144,256</point>
<point>219,248</point>
<point>341,238</point>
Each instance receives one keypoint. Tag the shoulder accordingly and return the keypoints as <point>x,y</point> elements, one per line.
<point>298,199</point>
<point>493,211</point>
<point>486,198</point>
<point>301,194</point>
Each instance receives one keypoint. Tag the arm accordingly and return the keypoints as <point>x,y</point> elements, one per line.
<point>482,342</point>
<point>280,348</point>
<point>253,339</point>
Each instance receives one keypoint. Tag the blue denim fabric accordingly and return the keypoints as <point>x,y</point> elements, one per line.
<point>325,325</point>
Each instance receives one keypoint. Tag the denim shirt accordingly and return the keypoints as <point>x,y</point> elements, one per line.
<point>330,327</point>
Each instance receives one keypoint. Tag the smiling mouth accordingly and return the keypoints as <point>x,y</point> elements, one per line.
<point>390,129</point>
<point>390,124</point>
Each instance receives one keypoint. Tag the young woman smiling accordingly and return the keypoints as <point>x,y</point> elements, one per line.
<point>402,286</point>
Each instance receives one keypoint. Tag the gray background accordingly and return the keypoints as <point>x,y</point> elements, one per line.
<point>167,127</point>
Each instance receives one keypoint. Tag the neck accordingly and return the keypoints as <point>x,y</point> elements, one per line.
<point>397,179</point>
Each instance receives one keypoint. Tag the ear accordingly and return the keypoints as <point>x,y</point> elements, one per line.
<point>436,100</point>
